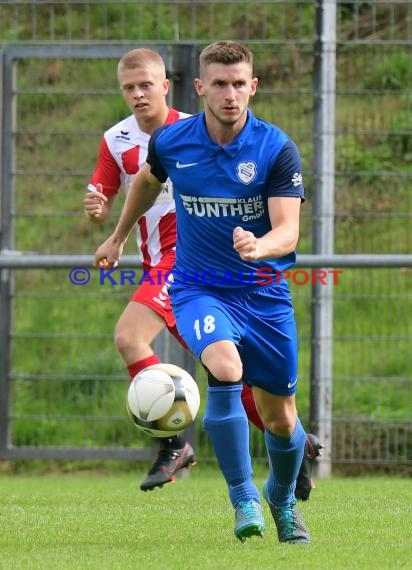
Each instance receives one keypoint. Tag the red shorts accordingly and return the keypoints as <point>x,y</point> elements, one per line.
<point>153,291</point>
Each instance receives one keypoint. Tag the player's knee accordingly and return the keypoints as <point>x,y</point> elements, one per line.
<point>224,372</point>
<point>282,426</point>
<point>123,340</point>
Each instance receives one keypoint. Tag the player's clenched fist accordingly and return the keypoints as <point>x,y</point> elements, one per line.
<point>108,254</point>
<point>94,203</point>
<point>245,243</point>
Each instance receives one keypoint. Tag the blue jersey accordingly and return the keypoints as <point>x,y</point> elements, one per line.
<point>218,188</point>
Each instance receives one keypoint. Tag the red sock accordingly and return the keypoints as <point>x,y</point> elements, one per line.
<point>136,367</point>
<point>248,402</point>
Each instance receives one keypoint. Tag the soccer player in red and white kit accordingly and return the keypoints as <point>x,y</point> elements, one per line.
<point>123,150</point>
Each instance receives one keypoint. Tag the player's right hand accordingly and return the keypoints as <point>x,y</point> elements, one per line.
<point>245,243</point>
<point>108,254</point>
<point>94,202</point>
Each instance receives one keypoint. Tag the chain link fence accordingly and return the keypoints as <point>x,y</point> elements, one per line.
<point>62,383</point>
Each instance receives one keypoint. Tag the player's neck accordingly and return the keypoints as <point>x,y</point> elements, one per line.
<point>149,124</point>
<point>223,134</point>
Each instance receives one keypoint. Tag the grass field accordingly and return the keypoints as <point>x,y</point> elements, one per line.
<point>103,521</point>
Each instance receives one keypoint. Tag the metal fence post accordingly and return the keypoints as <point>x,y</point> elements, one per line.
<point>323,227</point>
<point>7,124</point>
<point>185,68</point>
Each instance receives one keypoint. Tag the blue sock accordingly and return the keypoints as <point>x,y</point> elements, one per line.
<point>227,426</point>
<point>285,458</point>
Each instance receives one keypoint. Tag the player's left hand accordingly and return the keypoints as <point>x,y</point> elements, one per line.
<point>245,243</point>
<point>109,253</point>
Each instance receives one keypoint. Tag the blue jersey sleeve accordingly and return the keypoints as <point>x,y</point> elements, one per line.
<point>156,167</point>
<point>285,178</point>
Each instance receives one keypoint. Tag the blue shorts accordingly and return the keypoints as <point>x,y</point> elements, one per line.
<point>260,321</point>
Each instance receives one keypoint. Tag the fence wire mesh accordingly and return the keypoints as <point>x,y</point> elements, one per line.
<point>61,339</point>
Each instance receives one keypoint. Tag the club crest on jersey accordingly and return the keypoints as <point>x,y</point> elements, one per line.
<point>246,172</point>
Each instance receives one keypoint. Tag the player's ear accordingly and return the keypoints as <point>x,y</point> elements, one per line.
<point>166,86</point>
<point>253,86</point>
<point>198,86</point>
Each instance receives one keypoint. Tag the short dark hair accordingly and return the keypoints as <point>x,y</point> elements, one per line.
<point>225,52</point>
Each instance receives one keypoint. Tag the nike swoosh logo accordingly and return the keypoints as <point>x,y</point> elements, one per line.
<point>180,165</point>
<point>291,384</point>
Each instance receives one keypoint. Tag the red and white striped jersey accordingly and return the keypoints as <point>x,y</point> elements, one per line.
<point>122,153</point>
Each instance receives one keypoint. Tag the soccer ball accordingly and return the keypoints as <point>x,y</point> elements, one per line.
<point>163,400</point>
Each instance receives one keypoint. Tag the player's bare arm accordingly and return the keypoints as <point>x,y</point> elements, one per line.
<point>141,196</point>
<point>98,206</point>
<point>281,240</point>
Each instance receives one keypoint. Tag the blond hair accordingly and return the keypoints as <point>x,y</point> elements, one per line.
<point>141,57</point>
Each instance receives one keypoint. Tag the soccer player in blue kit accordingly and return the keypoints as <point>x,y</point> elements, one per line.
<point>238,189</point>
